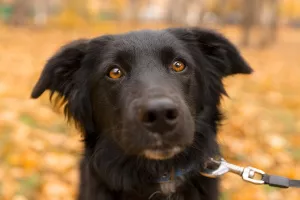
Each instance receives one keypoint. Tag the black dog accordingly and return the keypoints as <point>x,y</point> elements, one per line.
<point>147,104</point>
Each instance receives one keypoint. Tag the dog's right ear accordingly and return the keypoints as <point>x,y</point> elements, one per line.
<point>57,75</point>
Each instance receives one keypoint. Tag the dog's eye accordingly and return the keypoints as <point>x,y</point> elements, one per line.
<point>115,73</point>
<point>178,66</point>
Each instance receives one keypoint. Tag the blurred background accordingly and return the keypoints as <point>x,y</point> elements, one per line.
<point>39,153</point>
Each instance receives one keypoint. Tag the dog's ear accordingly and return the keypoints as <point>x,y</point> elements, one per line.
<point>57,75</point>
<point>219,51</point>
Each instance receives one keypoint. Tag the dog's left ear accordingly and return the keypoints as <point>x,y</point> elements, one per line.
<point>220,52</point>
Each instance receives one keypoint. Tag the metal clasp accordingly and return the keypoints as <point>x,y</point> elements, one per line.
<point>216,168</point>
<point>249,174</point>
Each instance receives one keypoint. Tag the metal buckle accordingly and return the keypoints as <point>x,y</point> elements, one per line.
<point>249,173</point>
<point>223,167</point>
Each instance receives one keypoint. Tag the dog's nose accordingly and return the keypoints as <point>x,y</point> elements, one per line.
<point>159,115</point>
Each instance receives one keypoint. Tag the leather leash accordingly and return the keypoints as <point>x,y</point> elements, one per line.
<point>216,168</point>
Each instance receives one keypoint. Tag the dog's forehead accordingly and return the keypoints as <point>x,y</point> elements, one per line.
<point>146,41</point>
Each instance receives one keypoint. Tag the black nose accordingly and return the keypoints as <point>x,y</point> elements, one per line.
<point>159,115</point>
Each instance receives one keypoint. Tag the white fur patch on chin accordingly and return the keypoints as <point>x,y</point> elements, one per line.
<point>161,154</point>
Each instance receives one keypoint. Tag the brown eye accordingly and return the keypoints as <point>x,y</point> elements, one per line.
<point>115,73</point>
<point>178,66</point>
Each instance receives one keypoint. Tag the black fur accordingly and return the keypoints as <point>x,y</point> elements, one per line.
<point>113,166</point>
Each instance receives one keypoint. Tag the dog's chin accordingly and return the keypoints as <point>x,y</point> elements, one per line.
<point>162,153</point>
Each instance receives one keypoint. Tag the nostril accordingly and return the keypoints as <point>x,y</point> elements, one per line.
<point>171,114</point>
<point>158,115</point>
<point>149,117</point>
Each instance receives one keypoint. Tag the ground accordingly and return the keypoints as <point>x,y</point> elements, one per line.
<point>39,152</point>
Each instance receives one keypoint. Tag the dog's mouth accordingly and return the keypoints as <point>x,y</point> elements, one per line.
<point>162,153</point>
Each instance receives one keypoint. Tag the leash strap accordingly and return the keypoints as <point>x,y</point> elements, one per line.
<point>248,174</point>
<point>279,181</point>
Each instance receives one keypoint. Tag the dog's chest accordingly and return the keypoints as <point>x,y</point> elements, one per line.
<point>171,187</point>
<point>168,190</point>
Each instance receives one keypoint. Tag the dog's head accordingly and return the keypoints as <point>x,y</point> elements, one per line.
<point>147,91</point>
